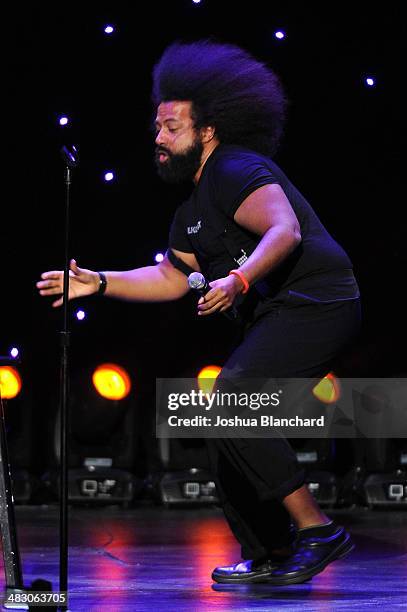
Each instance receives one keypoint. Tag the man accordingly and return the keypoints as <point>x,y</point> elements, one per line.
<point>219,120</point>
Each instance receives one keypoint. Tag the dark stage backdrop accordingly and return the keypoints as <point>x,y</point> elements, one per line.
<point>341,150</point>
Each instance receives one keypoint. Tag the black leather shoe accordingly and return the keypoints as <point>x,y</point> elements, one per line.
<point>312,553</point>
<point>246,571</point>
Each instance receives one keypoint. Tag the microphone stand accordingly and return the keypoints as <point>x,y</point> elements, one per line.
<point>70,157</point>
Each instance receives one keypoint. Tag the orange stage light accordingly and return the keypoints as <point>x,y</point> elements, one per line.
<point>207,377</point>
<point>111,381</point>
<point>10,382</point>
<point>328,389</point>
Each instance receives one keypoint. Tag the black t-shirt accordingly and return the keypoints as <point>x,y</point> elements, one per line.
<point>204,225</point>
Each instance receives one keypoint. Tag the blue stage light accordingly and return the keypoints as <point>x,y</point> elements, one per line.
<point>80,315</point>
<point>109,29</point>
<point>279,34</point>
<point>63,120</point>
<point>159,257</point>
<point>109,176</point>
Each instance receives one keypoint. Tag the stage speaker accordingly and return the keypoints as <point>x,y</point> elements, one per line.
<point>386,489</point>
<point>380,471</point>
<point>185,478</point>
<point>383,463</point>
<point>102,438</point>
<point>185,488</point>
<point>98,486</point>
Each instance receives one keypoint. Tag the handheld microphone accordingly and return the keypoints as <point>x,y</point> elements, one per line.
<point>198,283</point>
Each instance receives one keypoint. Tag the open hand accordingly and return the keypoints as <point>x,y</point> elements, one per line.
<point>81,282</point>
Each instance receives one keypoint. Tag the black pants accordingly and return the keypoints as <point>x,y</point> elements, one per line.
<point>292,338</point>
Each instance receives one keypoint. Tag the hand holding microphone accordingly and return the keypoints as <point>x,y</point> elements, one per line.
<point>217,296</point>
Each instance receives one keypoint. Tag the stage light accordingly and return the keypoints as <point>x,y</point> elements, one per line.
<point>63,120</point>
<point>207,377</point>
<point>159,257</point>
<point>370,81</point>
<point>102,437</point>
<point>111,381</point>
<point>196,1</point>
<point>80,315</point>
<point>328,390</point>
<point>109,176</point>
<point>10,382</point>
<point>108,29</point>
<point>14,352</point>
<point>280,35</point>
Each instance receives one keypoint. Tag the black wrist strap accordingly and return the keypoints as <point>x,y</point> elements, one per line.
<point>102,283</point>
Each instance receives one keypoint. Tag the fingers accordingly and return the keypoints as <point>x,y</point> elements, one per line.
<point>205,313</point>
<point>73,266</point>
<point>58,275</point>
<point>52,291</point>
<point>46,289</point>
<point>53,275</point>
<point>212,302</point>
<point>214,308</point>
<point>51,282</point>
<point>210,298</point>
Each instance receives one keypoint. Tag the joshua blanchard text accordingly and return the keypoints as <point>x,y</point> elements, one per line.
<point>262,421</point>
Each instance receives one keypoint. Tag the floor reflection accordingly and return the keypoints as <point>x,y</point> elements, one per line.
<point>152,558</point>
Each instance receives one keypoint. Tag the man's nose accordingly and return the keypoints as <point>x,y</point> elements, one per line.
<point>159,139</point>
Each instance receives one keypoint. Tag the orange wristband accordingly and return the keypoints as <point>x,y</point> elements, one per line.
<point>242,278</point>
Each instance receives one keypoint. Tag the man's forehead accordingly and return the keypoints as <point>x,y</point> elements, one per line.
<point>174,109</point>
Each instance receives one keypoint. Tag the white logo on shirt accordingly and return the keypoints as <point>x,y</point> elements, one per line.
<point>194,229</point>
<point>240,260</point>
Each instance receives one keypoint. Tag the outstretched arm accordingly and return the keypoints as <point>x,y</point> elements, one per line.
<point>158,283</point>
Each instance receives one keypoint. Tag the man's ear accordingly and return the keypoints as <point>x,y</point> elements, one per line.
<point>207,133</point>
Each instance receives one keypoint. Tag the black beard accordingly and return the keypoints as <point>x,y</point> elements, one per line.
<point>180,167</point>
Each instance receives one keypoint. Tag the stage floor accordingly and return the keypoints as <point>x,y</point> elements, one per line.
<point>152,558</point>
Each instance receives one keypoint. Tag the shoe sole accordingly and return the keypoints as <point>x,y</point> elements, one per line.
<point>241,580</point>
<point>342,551</point>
